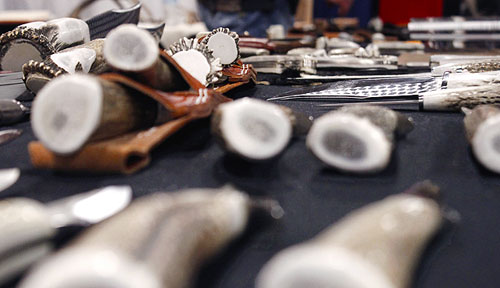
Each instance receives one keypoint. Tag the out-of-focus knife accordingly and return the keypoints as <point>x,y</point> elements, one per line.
<point>12,85</point>
<point>8,177</point>
<point>161,240</point>
<point>27,226</point>
<point>8,135</point>
<point>12,111</point>
<point>101,24</point>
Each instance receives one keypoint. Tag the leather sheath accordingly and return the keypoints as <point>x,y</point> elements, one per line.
<point>131,152</point>
<point>238,74</point>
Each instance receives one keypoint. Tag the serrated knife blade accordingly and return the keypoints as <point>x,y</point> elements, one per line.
<point>390,88</point>
<point>363,89</point>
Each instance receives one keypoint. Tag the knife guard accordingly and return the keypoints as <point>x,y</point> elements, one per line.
<point>131,152</point>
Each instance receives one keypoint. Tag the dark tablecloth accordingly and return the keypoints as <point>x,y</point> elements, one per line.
<point>462,255</point>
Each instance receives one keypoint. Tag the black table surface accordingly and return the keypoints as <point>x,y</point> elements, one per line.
<point>463,255</point>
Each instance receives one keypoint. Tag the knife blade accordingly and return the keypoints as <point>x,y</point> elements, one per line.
<point>320,78</point>
<point>101,24</point>
<point>27,226</point>
<point>12,111</point>
<point>440,100</point>
<point>12,85</point>
<point>362,88</point>
<point>8,177</point>
<point>8,135</point>
<point>391,88</point>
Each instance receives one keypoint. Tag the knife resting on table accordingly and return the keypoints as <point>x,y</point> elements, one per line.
<point>27,226</point>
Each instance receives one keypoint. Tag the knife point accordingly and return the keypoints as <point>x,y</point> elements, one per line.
<point>8,177</point>
<point>9,135</point>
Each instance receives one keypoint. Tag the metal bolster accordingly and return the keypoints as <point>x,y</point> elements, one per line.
<point>444,80</point>
<point>421,103</point>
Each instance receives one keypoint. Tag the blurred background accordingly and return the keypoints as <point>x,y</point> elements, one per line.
<point>254,17</point>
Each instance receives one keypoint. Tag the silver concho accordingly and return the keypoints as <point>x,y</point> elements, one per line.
<point>224,44</point>
<point>197,59</point>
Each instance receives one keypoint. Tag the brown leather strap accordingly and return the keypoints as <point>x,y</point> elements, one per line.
<point>238,75</point>
<point>130,153</point>
<point>126,154</point>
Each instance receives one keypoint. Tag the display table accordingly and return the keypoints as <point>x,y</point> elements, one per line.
<point>463,255</point>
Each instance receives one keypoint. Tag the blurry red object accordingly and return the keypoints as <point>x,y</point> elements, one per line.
<point>399,12</point>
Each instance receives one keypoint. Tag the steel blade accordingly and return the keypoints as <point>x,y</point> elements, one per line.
<point>12,111</point>
<point>9,135</point>
<point>310,77</point>
<point>411,104</point>
<point>362,89</point>
<point>101,24</point>
<point>12,85</point>
<point>8,177</point>
<point>384,90</point>
<point>90,207</point>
